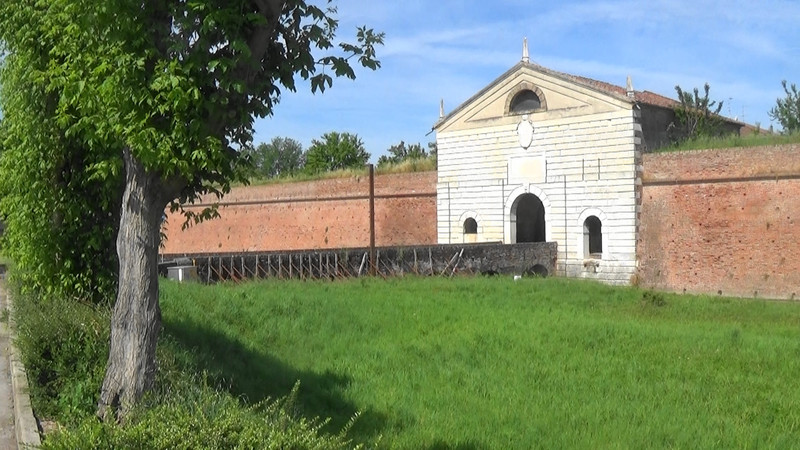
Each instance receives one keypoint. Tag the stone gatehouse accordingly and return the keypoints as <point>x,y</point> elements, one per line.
<point>539,155</point>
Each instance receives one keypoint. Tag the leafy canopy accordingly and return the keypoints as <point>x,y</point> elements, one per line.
<point>180,83</point>
<point>176,84</point>
<point>59,193</point>
<point>282,156</point>
<point>787,110</point>
<point>697,115</point>
<point>336,151</point>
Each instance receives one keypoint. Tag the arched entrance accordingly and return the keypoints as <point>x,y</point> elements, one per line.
<point>527,217</point>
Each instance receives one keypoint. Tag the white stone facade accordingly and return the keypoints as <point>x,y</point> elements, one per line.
<point>582,163</point>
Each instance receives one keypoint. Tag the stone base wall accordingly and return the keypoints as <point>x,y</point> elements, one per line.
<point>534,259</point>
<point>722,221</point>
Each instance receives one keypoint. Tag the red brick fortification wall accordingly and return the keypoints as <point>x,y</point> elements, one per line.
<point>722,221</point>
<point>331,213</point>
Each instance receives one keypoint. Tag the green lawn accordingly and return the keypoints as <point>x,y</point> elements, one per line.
<point>493,363</point>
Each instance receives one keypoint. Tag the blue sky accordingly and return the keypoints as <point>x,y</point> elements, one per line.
<point>449,50</point>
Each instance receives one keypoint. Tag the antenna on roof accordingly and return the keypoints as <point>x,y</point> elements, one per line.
<point>629,88</point>
<point>525,57</point>
<point>441,109</point>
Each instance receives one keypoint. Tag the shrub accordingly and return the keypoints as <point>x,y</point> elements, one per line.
<point>64,346</point>
<point>205,419</point>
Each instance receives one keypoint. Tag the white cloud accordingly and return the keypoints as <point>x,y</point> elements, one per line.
<point>451,49</point>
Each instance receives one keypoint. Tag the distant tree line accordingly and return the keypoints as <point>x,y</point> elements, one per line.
<point>284,156</point>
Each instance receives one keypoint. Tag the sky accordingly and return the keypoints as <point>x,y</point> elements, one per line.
<point>449,50</point>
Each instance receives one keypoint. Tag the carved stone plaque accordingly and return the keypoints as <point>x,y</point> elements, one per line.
<point>525,132</point>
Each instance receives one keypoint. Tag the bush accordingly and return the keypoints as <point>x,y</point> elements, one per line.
<point>205,419</point>
<point>64,346</point>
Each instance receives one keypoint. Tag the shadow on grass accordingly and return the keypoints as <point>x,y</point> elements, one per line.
<point>254,375</point>
<point>469,445</point>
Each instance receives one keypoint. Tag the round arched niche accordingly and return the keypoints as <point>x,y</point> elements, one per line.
<point>525,98</point>
<point>593,223</point>
<point>470,226</point>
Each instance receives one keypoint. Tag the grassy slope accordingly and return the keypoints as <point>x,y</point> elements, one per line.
<point>753,140</point>
<point>491,363</point>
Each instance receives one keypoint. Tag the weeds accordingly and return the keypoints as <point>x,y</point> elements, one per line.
<point>64,346</point>
<point>733,141</point>
<point>413,165</point>
<point>653,298</point>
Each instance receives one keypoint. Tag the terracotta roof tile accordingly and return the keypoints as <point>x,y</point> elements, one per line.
<point>647,97</point>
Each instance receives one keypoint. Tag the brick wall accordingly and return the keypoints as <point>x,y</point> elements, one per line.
<point>711,221</point>
<point>722,221</point>
<point>320,214</point>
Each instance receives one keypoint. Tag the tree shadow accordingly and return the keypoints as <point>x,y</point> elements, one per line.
<point>254,375</point>
<point>468,445</point>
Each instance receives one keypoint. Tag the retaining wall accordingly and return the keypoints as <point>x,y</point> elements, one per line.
<point>722,221</point>
<point>711,221</point>
<point>323,214</point>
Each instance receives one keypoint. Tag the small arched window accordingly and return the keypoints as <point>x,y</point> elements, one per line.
<point>525,101</point>
<point>470,226</point>
<point>593,237</point>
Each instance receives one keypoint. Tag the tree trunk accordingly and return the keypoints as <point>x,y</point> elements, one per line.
<point>136,318</point>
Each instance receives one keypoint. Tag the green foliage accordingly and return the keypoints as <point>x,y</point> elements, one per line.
<point>433,152</point>
<point>409,165</point>
<point>64,346</point>
<point>335,151</point>
<point>204,418</point>
<point>787,110</point>
<point>697,116</point>
<point>652,298</point>
<point>59,195</point>
<point>400,152</point>
<point>455,363</point>
<point>174,87</point>
<point>281,157</point>
<point>177,84</point>
<point>733,141</point>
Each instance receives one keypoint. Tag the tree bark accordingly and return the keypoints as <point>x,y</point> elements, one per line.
<point>136,317</point>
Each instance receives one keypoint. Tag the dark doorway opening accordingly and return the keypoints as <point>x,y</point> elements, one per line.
<point>530,222</point>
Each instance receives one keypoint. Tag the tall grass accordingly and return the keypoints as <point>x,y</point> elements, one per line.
<point>733,141</point>
<point>64,345</point>
<point>493,363</point>
<point>408,166</point>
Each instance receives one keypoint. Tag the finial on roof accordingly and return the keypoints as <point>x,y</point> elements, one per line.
<point>441,109</point>
<point>629,88</point>
<point>525,57</point>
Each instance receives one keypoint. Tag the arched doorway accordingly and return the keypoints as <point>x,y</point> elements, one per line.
<point>527,213</point>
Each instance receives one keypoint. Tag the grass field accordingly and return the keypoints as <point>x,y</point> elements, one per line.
<point>493,363</point>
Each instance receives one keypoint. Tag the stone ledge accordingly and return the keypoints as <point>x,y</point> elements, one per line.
<point>26,429</point>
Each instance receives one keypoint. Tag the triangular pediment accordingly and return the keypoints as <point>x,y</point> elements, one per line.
<point>560,95</point>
